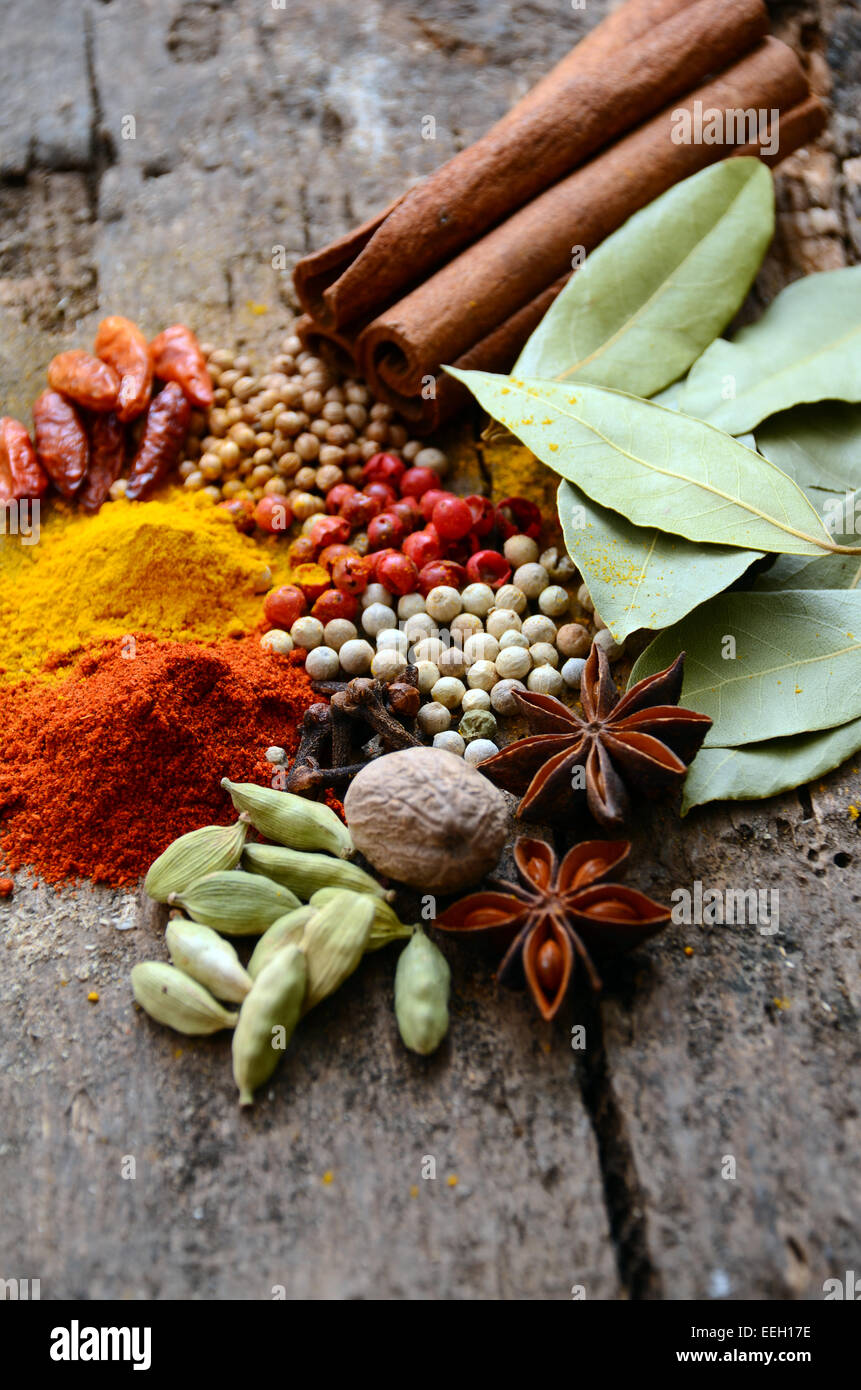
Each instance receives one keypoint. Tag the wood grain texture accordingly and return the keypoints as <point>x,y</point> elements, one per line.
<point>256,128</point>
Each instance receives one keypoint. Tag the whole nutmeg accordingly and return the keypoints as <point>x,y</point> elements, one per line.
<point>422,816</point>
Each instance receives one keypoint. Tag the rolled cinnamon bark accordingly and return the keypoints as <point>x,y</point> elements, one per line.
<point>795,128</point>
<point>500,349</point>
<point>464,302</point>
<point>336,349</point>
<point>594,101</point>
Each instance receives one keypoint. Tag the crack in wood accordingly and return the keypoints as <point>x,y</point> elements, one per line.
<point>625,1199</point>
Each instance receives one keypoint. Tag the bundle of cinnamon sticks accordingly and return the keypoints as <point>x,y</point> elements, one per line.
<point>462,268</point>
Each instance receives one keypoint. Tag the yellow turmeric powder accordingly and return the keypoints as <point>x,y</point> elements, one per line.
<point>516,472</point>
<point>174,568</point>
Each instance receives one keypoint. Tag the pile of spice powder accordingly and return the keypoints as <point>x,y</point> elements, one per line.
<point>101,771</point>
<point>174,567</point>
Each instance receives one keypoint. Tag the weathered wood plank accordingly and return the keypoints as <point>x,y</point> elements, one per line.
<point>255,128</point>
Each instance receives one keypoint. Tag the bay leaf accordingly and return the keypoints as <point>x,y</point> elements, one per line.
<point>638,576</point>
<point>655,466</point>
<point>842,518</point>
<point>806,347</point>
<point>651,298</point>
<point>796,664</point>
<point>768,768</point>
<point>817,445</point>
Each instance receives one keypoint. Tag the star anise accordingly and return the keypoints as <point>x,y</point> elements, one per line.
<point>641,739</point>
<point>563,911</point>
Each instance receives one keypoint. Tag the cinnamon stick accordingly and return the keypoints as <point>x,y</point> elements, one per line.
<point>594,100</point>
<point>336,349</point>
<point>464,302</point>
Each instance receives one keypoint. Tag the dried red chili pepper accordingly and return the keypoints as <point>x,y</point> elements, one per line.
<point>84,379</point>
<point>120,343</point>
<point>61,442</point>
<point>176,356</point>
<point>107,456</point>
<point>21,475</point>
<point>163,437</point>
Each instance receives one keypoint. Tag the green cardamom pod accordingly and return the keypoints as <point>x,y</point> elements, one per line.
<point>422,982</point>
<point>305,873</point>
<point>334,942</point>
<point>267,1020</point>
<point>194,855</point>
<point>172,997</point>
<point>287,929</point>
<point>207,958</point>
<point>386,926</point>
<point>291,820</point>
<point>237,903</point>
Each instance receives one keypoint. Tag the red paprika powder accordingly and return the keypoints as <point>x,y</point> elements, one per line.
<point>99,773</point>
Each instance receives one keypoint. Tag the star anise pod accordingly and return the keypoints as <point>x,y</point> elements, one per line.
<point>562,911</point>
<point>641,739</point>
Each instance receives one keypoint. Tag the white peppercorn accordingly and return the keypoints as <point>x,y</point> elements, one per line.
<point>451,741</point>
<point>479,749</point>
<point>539,628</point>
<point>513,663</point>
<point>605,639</point>
<point>572,671</point>
<point>428,649</point>
<point>476,698</point>
<point>584,598</point>
<point>338,631</point>
<point>502,620</point>
<point>419,626</point>
<point>482,675</point>
<point>452,661</point>
<point>561,568</point>
<point>532,579</point>
<point>510,596</point>
<point>428,675</point>
<point>448,691</point>
<point>513,639</point>
<point>274,754</point>
<point>433,718</point>
<point>478,599</point>
<point>277,640</point>
<point>502,699</point>
<point>520,550</point>
<point>480,647</point>
<point>432,458</point>
<point>545,680</point>
<point>553,600</point>
<point>409,605</point>
<point>544,654</point>
<point>376,617</point>
<point>322,664</point>
<point>356,657</point>
<point>467,623</point>
<point>443,603</point>
<point>375,593</point>
<point>387,665</point>
<point>392,639</point>
<point>307,632</point>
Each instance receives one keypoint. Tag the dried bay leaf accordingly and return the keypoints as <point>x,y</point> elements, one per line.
<point>806,347</point>
<point>768,768</point>
<point>651,298</point>
<point>827,571</point>
<point>817,445</point>
<point>637,576</point>
<point>655,466</point>
<point>796,668</point>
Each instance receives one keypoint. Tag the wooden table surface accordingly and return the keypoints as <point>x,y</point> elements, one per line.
<point>155,155</point>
